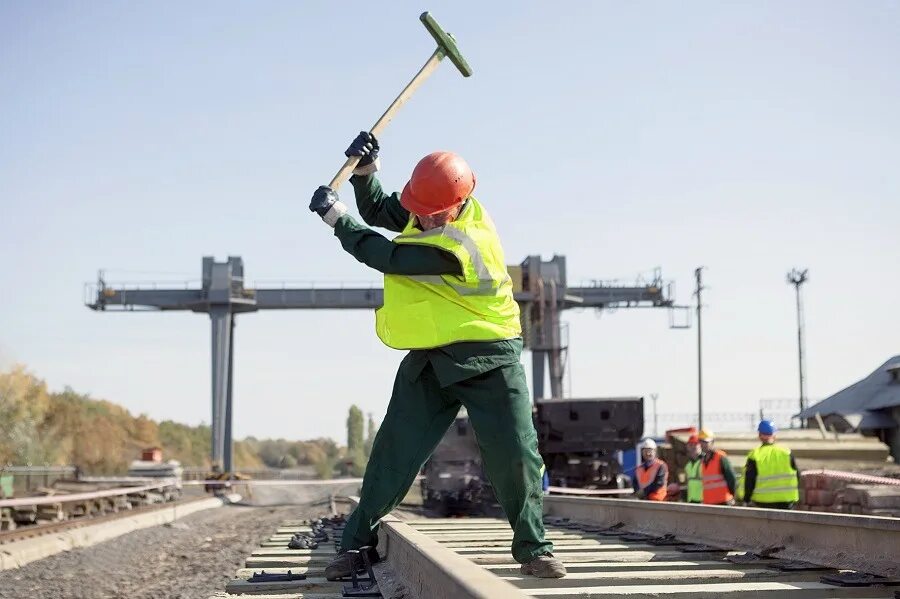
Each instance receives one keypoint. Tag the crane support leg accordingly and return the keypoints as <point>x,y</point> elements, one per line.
<point>229,402</point>
<point>221,318</point>
<point>556,373</point>
<point>537,374</point>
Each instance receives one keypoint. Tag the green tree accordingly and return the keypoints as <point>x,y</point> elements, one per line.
<point>24,404</point>
<point>324,466</point>
<point>66,427</point>
<point>288,461</point>
<point>370,435</point>
<point>354,429</point>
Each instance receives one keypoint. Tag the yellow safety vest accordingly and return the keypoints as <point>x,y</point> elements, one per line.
<point>426,311</point>
<point>694,481</point>
<point>776,480</point>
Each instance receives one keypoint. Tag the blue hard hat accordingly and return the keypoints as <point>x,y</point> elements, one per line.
<point>766,427</point>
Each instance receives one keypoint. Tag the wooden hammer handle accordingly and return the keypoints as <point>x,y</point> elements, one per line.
<point>426,70</point>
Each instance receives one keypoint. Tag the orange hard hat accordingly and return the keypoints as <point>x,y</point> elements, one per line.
<point>693,440</point>
<point>440,181</point>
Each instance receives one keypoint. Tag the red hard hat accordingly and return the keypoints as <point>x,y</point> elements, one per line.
<point>441,181</point>
<point>693,440</point>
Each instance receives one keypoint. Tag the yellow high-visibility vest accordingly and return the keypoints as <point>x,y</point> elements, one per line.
<point>776,480</point>
<point>694,481</point>
<point>426,311</point>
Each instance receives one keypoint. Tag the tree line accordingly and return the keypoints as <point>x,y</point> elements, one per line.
<point>39,426</point>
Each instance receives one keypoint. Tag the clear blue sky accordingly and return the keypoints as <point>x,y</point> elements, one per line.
<point>746,137</point>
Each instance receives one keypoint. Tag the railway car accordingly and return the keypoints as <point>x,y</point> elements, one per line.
<point>454,482</point>
<point>582,440</point>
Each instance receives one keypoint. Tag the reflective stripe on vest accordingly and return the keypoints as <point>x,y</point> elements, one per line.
<point>715,488</point>
<point>776,479</point>
<point>426,311</point>
<point>647,476</point>
<point>694,482</point>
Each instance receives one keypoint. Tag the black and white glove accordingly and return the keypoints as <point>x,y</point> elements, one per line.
<point>325,203</point>
<point>366,147</point>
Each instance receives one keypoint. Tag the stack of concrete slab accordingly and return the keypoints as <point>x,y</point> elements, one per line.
<point>811,448</point>
<point>849,493</point>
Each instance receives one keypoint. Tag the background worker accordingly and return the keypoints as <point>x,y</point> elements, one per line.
<point>694,482</point>
<point>651,475</point>
<point>448,299</point>
<point>719,481</point>
<point>771,477</point>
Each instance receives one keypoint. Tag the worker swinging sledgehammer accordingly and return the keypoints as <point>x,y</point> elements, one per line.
<point>449,300</point>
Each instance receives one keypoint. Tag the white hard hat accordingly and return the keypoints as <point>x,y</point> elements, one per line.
<point>647,443</point>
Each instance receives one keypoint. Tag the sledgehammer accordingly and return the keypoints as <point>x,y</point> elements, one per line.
<point>446,48</point>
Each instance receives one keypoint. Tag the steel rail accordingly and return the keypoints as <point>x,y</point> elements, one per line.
<point>865,543</point>
<point>430,570</point>
<point>276,482</point>
<point>588,492</point>
<point>287,482</point>
<point>75,497</point>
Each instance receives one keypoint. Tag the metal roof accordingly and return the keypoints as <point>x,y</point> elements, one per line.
<point>878,391</point>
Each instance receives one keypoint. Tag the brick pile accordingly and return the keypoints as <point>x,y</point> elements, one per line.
<point>849,493</point>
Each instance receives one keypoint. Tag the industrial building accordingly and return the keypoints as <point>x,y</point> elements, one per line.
<point>870,406</point>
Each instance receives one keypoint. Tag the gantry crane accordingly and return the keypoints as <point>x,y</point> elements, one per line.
<point>540,288</point>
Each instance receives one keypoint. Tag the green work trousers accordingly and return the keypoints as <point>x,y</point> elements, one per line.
<point>419,413</point>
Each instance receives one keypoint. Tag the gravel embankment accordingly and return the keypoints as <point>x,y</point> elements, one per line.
<point>190,559</point>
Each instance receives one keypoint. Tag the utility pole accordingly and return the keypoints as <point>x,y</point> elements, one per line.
<point>797,278</point>
<point>698,274</point>
<point>654,397</point>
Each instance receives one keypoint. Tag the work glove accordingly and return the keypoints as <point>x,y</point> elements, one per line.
<point>366,147</point>
<point>325,203</point>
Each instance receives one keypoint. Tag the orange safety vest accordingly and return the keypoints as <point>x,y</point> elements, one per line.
<point>715,489</point>
<point>647,475</point>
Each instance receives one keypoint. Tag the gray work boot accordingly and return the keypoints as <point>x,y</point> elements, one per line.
<point>544,566</point>
<point>344,564</point>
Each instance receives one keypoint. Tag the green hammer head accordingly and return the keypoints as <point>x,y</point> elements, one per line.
<point>446,43</point>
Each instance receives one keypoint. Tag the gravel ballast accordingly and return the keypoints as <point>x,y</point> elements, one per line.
<point>190,559</point>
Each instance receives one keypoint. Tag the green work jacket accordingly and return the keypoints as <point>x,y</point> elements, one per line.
<point>452,363</point>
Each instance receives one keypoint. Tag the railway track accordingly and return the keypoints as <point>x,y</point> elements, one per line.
<point>42,528</point>
<point>612,548</point>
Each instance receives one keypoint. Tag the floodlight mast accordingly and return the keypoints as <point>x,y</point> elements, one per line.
<point>797,278</point>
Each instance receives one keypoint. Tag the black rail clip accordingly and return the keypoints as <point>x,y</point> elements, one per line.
<point>700,548</point>
<point>667,540</point>
<point>615,530</point>
<point>790,565</point>
<point>858,579</point>
<point>745,558</point>
<point>362,587</point>
<point>263,576</point>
